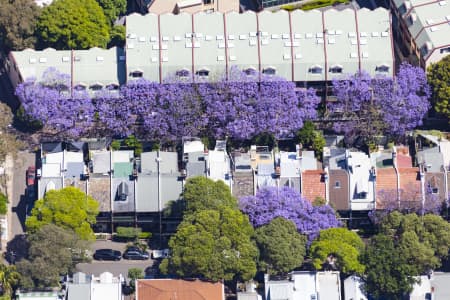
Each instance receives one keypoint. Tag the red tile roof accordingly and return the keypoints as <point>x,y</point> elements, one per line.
<point>170,289</point>
<point>386,183</point>
<point>313,185</point>
<point>404,161</point>
<point>410,184</point>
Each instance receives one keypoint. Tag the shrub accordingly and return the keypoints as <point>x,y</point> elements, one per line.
<point>3,204</point>
<point>127,233</point>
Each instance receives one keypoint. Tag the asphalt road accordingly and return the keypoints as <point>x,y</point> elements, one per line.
<point>18,195</point>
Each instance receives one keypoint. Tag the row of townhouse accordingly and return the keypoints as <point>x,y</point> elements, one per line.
<point>309,48</point>
<point>130,190</point>
<point>298,285</point>
<point>351,180</point>
<point>134,190</point>
<point>421,29</point>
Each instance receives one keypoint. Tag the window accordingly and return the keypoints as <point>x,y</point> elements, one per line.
<point>80,87</point>
<point>96,86</point>
<point>315,70</point>
<point>337,184</point>
<point>336,69</point>
<point>445,50</point>
<point>112,86</point>
<point>202,73</point>
<point>182,73</point>
<point>382,68</point>
<point>136,74</point>
<point>250,72</point>
<point>269,71</point>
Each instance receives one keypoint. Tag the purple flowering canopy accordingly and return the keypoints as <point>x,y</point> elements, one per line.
<point>61,110</point>
<point>239,106</point>
<point>242,108</point>
<point>271,202</point>
<point>369,106</point>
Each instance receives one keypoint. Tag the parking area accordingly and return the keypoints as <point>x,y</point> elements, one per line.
<point>115,267</point>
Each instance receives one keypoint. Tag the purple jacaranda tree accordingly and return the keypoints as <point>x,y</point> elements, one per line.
<point>181,109</point>
<point>405,100</point>
<point>115,113</point>
<point>61,110</point>
<point>370,106</point>
<point>143,95</point>
<point>241,107</point>
<point>272,202</point>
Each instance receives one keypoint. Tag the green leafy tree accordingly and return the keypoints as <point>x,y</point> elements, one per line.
<point>389,273</point>
<point>281,247</point>
<point>113,9</point>
<point>117,34</point>
<point>407,246</point>
<point>203,193</point>
<point>310,138</point>
<point>439,79</point>
<point>431,230</point>
<point>72,24</point>
<point>214,245</point>
<point>68,208</point>
<point>340,247</point>
<point>9,279</point>
<point>53,251</point>
<point>17,24</point>
<point>134,274</point>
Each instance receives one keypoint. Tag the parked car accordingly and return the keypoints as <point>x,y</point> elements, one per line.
<point>135,253</point>
<point>31,175</point>
<point>164,253</point>
<point>107,254</point>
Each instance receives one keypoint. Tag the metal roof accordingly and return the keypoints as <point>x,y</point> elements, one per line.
<point>428,23</point>
<point>299,46</point>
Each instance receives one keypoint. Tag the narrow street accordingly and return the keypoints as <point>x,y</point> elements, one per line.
<point>17,195</point>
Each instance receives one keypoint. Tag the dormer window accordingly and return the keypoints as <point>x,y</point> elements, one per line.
<point>96,86</point>
<point>315,69</point>
<point>382,69</point>
<point>250,71</point>
<point>182,73</point>
<point>202,73</point>
<point>80,87</point>
<point>269,71</point>
<point>336,69</point>
<point>137,74</point>
<point>112,86</point>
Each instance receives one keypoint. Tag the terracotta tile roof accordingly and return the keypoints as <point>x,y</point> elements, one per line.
<point>404,161</point>
<point>170,289</point>
<point>313,185</point>
<point>386,183</point>
<point>410,184</point>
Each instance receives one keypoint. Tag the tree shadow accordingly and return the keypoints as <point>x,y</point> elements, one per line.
<point>17,248</point>
<point>21,209</point>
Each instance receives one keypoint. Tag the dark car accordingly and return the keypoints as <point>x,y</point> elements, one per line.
<point>135,253</point>
<point>107,254</point>
<point>31,175</point>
